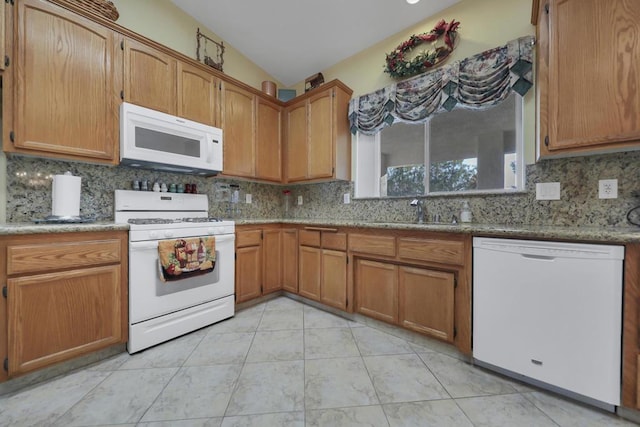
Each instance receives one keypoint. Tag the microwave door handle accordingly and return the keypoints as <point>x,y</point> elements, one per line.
<point>210,150</point>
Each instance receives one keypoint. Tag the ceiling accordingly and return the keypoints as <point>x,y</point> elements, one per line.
<point>294,39</point>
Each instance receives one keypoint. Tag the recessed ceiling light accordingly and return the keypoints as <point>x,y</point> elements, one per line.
<point>412,1</point>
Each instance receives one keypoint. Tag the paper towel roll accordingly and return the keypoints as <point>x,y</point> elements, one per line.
<point>65,194</point>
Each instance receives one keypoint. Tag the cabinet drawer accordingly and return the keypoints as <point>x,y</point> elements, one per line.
<point>378,245</point>
<point>435,250</point>
<point>248,238</point>
<point>309,238</point>
<point>336,241</point>
<point>31,258</point>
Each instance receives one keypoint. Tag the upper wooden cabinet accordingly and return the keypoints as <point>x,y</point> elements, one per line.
<point>588,63</point>
<point>268,141</point>
<point>197,94</point>
<point>61,91</point>
<point>318,140</point>
<point>237,120</point>
<point>149,77</point>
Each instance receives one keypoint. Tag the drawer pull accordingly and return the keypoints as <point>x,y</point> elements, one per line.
<point>331,230</point>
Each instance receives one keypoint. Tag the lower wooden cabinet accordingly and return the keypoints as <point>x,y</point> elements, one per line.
<point>310,260</point>
<point>426,301</point>
<point>248,273</point>
<point>377,290</point>
<point>272,259</point>
<point>290,259</point>
<point>323,266</point>
<point>264,258</point>
<point>66,296</point>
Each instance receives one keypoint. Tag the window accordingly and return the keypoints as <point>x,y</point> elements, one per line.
<point>462,150</point>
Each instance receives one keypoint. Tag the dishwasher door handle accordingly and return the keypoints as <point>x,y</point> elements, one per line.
<point>539,257</point>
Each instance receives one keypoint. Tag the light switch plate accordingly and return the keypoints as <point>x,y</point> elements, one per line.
<point>608,189</point>
<point>299,200</point>
<point>548,191</point>
<point>247,198</point>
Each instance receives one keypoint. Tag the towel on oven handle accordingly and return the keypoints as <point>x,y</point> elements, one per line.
<point>183,258</point>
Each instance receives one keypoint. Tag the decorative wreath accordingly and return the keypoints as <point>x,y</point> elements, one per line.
<point>398,66</point>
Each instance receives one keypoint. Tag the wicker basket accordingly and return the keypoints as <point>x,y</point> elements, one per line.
<point>101,7</point>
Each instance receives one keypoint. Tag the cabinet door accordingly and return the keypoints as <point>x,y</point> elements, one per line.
<point>593,96</point>
<point>58,316</point>
<point>321,135</point>
<point>196,94</point>
<point>149,77</point>
<point>376,287</point>
<point>334,279</point>
<point>290,260</point>
<point>237,120</point>
<point>268,141</point>
<point>248,273</point>
<point>65,73</point>
<point>272,260</point>
<point>310,271</point>
<point>427,301</point>
<point>297,149</point>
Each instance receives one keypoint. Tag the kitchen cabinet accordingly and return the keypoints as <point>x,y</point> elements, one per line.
<point>272,258</point>
<point>586,91</point>
<point>268,140</point>
<point>290,260</point>
<point>426,301</point>
<point>263,258</point>
<point>66,296</point>
<point>197,94</point>
<point>62,86</point>
<point>248,265</point>
<point>149,77</point>
<point>317,135</point>
<point>323,266</point>
<point>237,120</point>
<point>252,134</point>
<point>418,280</point>
<point>376,290</point>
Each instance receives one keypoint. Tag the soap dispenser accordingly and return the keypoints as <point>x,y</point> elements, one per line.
<point>465,213</point>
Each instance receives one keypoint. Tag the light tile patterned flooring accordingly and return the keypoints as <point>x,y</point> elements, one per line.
<point>283,363</point>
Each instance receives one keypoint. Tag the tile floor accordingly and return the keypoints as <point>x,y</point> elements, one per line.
<point>283,363</point>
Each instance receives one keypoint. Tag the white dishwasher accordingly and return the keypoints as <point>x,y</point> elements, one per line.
<point>551,312</point>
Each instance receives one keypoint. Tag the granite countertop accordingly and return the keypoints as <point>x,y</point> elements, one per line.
<point>626,234</point>
<point>31,228</point>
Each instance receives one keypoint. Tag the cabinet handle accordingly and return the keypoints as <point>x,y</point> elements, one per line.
<point>546,141</point>
<point>331,230</point>
<point>7,61</point>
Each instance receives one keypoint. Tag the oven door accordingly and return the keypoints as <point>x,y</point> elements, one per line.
<point>150,297</point>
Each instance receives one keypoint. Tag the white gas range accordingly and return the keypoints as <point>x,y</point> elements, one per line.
<point>161,310</point>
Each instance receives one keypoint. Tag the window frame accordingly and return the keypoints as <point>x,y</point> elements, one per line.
<point>366,175</point>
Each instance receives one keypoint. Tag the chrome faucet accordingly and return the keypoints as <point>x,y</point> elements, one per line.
<point>420,212</point>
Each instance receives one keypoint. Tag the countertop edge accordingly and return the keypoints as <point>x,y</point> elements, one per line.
<point>627,234</point>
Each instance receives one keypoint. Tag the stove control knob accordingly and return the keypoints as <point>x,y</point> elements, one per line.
<point>211,231</point>
<point>153,234</point>
<point>168,233</point>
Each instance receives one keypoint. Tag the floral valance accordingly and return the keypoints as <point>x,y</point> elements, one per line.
<point>479,81</point>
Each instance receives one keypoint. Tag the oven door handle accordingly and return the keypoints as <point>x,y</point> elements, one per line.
<point>141,246</point>
<point>153,244</point>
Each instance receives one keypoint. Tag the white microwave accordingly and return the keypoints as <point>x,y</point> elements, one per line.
<point>153,140</point>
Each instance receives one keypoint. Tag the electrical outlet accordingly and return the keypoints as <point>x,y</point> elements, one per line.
<point>608,189</point>
<point>548,191</point>
<point>247,198</point>
<point>299,200</point>
<point>346,198</point>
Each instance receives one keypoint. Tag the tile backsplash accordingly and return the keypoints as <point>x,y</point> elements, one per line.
<point>29,194</point>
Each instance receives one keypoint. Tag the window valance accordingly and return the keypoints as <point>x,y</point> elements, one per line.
<point>478,81</point>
